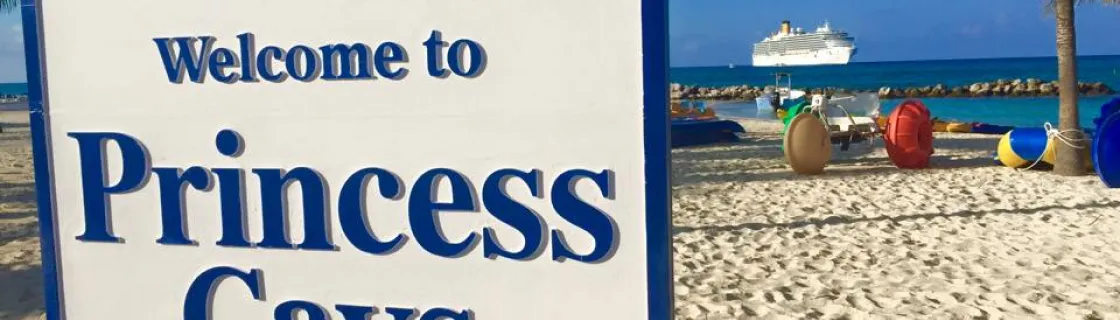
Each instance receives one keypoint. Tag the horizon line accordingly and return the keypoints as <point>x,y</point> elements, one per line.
<point>857,62</point>
<point>918,60</point>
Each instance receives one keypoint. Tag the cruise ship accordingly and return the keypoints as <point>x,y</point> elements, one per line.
<point>795,47</point>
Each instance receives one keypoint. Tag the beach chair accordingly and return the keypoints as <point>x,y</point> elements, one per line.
<point>848,118</point>
<point>851,118</point>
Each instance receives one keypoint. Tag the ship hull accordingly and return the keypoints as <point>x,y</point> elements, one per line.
<point>831,56</point>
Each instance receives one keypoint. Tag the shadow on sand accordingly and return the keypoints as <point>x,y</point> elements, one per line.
<point>837,220</point>
<point>21,285</point>
<point>17,192</point>
<point>699,164</point>
<point>5,126</point>
<point>21,296</point>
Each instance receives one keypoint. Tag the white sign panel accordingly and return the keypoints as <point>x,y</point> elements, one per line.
<point>340,159</point>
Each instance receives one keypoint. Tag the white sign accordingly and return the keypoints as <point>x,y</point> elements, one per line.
<point>340,159</point>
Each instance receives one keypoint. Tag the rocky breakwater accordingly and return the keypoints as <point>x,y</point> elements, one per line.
<point>744,92</point>
<point>10,98</point>
<point>998,88</point>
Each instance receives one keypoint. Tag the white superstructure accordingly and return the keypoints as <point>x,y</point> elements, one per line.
<point>794,47</point>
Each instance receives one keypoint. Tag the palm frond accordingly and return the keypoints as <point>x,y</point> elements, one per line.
<point>8,5</point>
<point>1051,3</point>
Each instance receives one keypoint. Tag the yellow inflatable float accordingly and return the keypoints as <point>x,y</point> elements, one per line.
<point>958,127</point>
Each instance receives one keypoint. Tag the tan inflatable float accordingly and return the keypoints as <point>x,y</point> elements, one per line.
<point>808,146</point>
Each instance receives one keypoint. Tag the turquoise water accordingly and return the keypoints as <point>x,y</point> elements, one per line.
<point>13,88</point>
<point>873,75</point>
<point>1019,112</point>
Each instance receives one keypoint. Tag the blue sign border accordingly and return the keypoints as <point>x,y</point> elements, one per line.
<point>655,82</point>
<point>40,146</point>
<point>655,86</point>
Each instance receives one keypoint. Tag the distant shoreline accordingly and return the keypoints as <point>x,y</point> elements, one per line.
<point>980,89</point>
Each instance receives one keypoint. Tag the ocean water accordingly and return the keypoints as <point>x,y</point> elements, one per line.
<point>1019,112</point>
<point>13,88</point>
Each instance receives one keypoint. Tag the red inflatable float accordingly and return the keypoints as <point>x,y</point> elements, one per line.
<point>909,135</point>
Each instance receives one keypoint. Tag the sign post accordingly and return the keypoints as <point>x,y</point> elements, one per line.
<point>337,159</point>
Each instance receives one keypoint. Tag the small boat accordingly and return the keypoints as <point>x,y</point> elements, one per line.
<point>697,124</point>
<point>774,103</point>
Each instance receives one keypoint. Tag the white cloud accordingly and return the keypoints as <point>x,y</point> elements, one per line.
<point>971,31</point>
<point>17,34</point>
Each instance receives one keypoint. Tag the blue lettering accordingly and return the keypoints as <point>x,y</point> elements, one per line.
<point>219,60</point>
<point>423,208</point>
<point>351,209</point>
<point>232,191</point>
<point>434,46</point>
<point>401,313</point>
<point>248,42</point>
<point>200,297</point>
<point>474,53</point>
<point>264,63</point>
<point>95,187</point>
<point>355,312</point>
<point>338,61</point>
<point>512,213</point>
<point>583,215</point>
<point>423,211</point>
<point>302,63</point>
<point>231,183</point>
<point>172,186</point>
<point>345,58</point>
<point>200,294</point>
<point>274,183</point>
<point>388,53</point>
<point>290,310</point>
<point>193,60</point>
<point>446,314</point>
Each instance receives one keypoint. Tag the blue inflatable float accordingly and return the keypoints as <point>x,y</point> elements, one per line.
<point>1024,147</point>
<point>991,129</point>
<point>1032,148</point>
<point>1106,144</point>
<point>689,132</point>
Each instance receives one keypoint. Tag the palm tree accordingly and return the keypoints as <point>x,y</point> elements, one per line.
<point>1070,159</point>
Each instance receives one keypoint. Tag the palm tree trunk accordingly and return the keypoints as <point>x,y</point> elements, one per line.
<point>1070,161</point>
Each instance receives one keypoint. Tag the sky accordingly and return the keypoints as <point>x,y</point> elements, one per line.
<point>12,68</point>
<point>719,32</point>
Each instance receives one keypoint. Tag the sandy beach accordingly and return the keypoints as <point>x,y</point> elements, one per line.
<point>964,240</point>
<point>21,276</point>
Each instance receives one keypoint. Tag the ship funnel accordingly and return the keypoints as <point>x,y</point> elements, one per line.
<point>785,27</point>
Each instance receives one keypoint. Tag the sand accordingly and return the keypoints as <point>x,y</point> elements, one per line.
<point>964,240</point>
<point>21,278</point>
<point>865,240</point>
